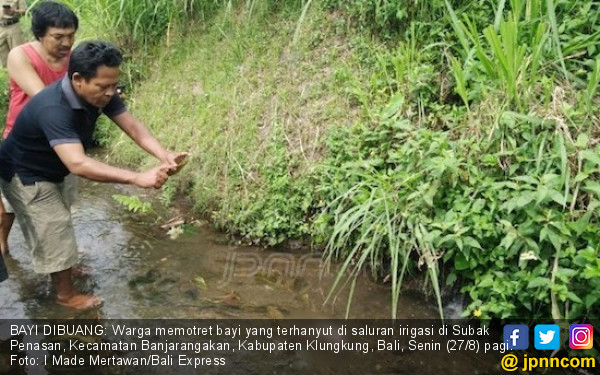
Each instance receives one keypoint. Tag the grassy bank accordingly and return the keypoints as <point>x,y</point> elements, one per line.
<point>252,104</point>
<point>473,163</point>
<point>452,139</point>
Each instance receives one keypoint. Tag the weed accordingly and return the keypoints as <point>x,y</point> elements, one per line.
<point>133,203</point>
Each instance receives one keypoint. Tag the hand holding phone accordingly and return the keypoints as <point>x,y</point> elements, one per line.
<point>181,161</point>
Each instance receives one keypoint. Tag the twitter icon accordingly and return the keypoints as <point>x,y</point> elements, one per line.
<point>546,337</point>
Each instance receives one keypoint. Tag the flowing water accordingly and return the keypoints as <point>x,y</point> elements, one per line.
<point>141,272</point>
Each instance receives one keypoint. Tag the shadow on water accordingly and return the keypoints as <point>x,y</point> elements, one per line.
<point>140,272</point>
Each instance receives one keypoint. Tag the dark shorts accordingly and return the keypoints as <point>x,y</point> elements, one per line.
<point>3,273</point>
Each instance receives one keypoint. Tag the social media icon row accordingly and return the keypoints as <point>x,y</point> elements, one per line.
<point>547,336</point>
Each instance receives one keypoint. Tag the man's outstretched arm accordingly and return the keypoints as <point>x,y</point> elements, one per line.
<point>140,134</point>
<point>74,158</point>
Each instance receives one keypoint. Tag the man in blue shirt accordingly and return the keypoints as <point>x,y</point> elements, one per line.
<point>49,141</point>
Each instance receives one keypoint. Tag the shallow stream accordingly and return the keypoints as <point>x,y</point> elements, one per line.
<point>142,270</point>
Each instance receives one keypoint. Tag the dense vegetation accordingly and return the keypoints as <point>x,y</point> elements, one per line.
<point>457,138</point>
<point>499,184</point>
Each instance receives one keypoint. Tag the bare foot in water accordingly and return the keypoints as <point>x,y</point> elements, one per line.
<point>80,301</point>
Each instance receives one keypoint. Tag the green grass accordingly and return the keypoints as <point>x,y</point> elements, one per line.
<point>461,149</point>
<point>4,87</point>
<point>224,91</point>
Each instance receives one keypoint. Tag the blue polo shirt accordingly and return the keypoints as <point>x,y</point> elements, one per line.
<point>56,115</point>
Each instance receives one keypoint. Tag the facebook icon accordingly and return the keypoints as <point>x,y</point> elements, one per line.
<point>516,336</point>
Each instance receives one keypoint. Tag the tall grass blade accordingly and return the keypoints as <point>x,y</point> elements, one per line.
<point>564,165</point>
<point>432,271</point>
<point>535,59</point>
<point>394,248</point>
<point>499,12</point>
<point>554,25</point>
<point>592,86</point>
<point>301,21</point>
<point>461,84</point>
<point>458,27</point>
<point>350,294</point>
<point>480,52</point>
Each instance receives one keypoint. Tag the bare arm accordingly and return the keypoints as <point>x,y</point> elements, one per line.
<point>22,72</point>
<point>137,131</point>
<point>74,158</point>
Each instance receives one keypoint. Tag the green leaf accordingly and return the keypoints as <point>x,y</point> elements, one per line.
<point>451,278</point>
<point>428,196</point>
<point>486,282</point>
<point>573,297</point>
<point>460,262</point>
<point>590,273</point>
<point>393,107</point>
<point>591,156</point>
<point>590,300</point>
<point>524,199</point>
<point>580,261</point>
<point>470,241</point>
<point>566,273</point>
<point>592,187</point>
<point>539,281</point>
<point>555,239</point>
<point>508,240</point>
<point>528,179</point>
<point>557,197</point>
<point>581,176</point>
<point>582,141</point>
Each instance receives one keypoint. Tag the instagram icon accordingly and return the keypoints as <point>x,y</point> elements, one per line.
<point>581,336</point>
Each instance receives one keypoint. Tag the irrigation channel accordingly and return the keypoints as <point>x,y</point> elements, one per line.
<point>143,272</point>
